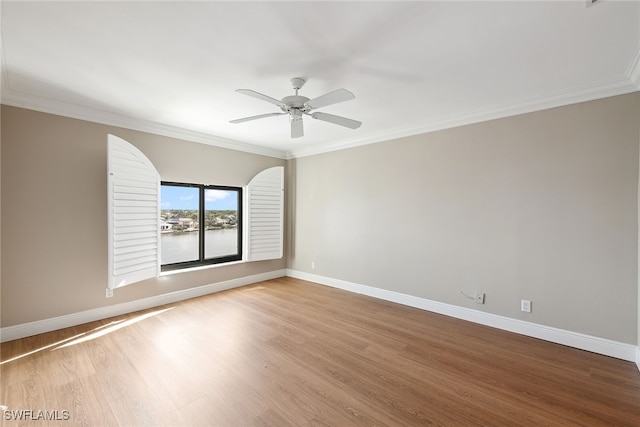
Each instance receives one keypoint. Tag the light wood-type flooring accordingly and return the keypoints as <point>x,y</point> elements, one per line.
<point>287,352</point>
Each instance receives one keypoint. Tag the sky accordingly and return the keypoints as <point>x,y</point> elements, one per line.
<point>174,197</point>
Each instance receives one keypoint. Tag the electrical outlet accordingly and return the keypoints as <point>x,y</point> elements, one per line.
<point>525,305</point>
<point>479,297</point>
<point>108,292</point>
<point>313,265</point>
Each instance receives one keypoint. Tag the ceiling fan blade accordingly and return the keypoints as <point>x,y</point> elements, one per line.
<point>297,129</point>
<point>269,99</point>
<point>260,116</point>
<point>337,120</point>
<point>339,95</point>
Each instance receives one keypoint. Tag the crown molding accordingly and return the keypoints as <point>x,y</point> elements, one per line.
<point>634,69</point>
<point>60,108</point>
<point>627,84</point>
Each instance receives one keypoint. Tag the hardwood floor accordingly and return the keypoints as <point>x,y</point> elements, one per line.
<point>293,353</point>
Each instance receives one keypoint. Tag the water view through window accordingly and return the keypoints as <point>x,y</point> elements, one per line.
<point>221,223</point>
<point>181,225</point>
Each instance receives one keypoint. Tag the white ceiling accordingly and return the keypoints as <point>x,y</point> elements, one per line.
<point>173,67</point>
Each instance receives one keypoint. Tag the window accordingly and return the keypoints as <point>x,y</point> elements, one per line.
<point>136,227</point>
<point>199,224</point>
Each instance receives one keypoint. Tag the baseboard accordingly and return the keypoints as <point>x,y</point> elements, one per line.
<point>10,333</point>
<point>572,339</point>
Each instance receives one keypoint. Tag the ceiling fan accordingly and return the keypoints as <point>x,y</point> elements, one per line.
<point>296,105</point>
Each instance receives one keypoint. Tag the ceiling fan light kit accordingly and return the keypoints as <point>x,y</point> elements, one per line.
<point>297,105</point>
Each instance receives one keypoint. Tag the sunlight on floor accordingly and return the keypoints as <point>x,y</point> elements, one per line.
<point>252,288</point>
<point>113,328</point>
<point>90,335</point>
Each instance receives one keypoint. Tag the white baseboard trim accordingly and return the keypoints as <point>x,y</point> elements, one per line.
<point>603,346</point>
<point>10,333</point>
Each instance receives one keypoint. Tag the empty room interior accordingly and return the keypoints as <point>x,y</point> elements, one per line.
<point>320,213</point>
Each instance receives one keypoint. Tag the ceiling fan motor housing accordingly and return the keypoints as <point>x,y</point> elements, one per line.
<point>295,101</point>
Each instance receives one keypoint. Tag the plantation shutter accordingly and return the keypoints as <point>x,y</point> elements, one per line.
<point>265,215</point>
<point>133,214</point>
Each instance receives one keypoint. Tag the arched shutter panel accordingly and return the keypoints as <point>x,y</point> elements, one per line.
<point>265,215</point>
<point>133,214</point>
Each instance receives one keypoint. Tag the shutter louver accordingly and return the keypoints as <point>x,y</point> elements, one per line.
<point>265,215</point>
<point>133,214</point>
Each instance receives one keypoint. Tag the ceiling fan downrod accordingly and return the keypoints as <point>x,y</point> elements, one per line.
<point>297,83</point>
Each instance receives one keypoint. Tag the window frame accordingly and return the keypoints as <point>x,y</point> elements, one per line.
<point>202,261</point>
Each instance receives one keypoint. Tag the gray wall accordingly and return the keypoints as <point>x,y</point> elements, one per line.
<point>54,229</point>
<point>541,206</point>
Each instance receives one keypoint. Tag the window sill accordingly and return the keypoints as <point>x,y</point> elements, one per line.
<point>200,267</point>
